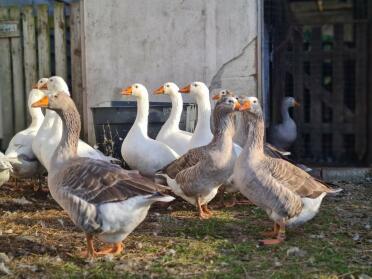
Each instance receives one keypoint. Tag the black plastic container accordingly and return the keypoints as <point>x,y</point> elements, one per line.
<point>113,121</point>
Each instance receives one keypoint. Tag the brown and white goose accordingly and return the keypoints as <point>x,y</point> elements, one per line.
<point>197,175</point>
<point>289,195</point>
<point>101,198</point>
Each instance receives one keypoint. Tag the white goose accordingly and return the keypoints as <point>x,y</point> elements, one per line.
<point>202,134</point>
<point>170,133</point>
<point>19,152</point>
<point>5,168</point>
<point>139,151</point>
<point>282,135</point>
<point>50,132</point>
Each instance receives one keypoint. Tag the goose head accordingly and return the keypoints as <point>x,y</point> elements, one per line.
<point>197,89</point>
<point>169,88</point>
<point>57,84</point>
<point>289,102</point>
<point>57,101</point>
<point>137,90</point>
<point>41,84</point>
<point>251,105</point>
<point>35,95</point>
<point>222,93</point>
<point>228,104</point>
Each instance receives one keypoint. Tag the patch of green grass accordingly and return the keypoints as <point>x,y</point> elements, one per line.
<point>177,244</point>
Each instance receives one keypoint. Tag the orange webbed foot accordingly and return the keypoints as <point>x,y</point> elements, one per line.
<point>274,241</point>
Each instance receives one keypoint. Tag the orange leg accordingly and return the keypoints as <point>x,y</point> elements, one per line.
<point>202,214</point>
<point>279,238</point>
<point>117,248</point>
<point>206,209</point>
<point>90,252</point>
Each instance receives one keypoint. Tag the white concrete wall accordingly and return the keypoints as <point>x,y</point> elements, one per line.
<point>152,42</point>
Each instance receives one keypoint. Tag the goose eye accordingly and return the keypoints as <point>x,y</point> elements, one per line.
<point>254,101</point>
<point>167,85</point>
<point>136,86</point>
<point>195,85</point>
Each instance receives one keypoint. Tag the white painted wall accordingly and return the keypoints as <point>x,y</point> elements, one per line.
<point>152,42</point>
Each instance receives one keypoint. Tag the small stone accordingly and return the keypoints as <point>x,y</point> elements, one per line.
<point>367,226</point>
<point>356,237</point>
<point>61,222</point>
<point>4,269</point>
<point>4,258</point>
<point>172,252</point>
<point>295,252</point>
<point>170,208</point>
<point>364,276</point>
<point>317,236</point>
<point>139,245</point>
<point>10,231</point>
<point>277,263</point>
<point>109,258</point>
<point>21,201</point>
<point>157,214</point>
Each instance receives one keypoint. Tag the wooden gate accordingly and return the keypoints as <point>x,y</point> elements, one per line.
<point>36,41</point>
<point>322,62</point>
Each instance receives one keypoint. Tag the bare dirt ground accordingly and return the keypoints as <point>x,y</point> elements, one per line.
<point>37,240</point>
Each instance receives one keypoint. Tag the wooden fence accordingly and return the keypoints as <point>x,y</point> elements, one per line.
<point>323,63</point>
<point>36,41</point>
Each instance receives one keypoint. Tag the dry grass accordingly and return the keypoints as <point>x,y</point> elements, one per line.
<point>42,242</point>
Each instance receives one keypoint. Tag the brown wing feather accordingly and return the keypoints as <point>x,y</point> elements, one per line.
<point>296,179</point>
<point>98,182</point>
<point>191,158</point>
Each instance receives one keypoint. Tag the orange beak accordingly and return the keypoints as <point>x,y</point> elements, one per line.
<point>160,90</point>
<point>237,106</point>
<point>296,104</point>
<point>216,97</point>
<point>246,106</point>
<point>127,91</point>
<point>185,89</point>
<point>42,103</point>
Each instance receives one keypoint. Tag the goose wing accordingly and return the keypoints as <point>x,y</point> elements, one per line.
<point>296,179</point>
<point>97,181</point>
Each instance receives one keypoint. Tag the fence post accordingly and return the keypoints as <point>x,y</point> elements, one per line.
<point>76,60</point>
<point>43,41</point>
<point>20,103</point>
<point>60,40</point>
<point>6,86</point>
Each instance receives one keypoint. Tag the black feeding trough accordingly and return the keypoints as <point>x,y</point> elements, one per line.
<point>113,120</point>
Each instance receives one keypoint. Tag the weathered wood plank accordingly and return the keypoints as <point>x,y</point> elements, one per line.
<point>43,41</point>
<point>298,90</point>
<point>6,104</point>
<point>316,103</point>
<point>20,103</point>
<point>76,59</point>
<point>361,91</point>
<point>60,40</point>
<point>369,112</point>
<point>337,95</point>
<point>29,48</point>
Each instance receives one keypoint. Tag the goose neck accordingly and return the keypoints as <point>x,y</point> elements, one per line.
<point>67,148</point>
<point>285,112</point>
<point>204,113</point>
<point>142,113</point>
<point>256,133</point>
<point>175,115</point>
<point>224,130</point>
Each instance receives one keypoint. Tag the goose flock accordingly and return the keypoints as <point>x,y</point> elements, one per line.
<point>228,155</point>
